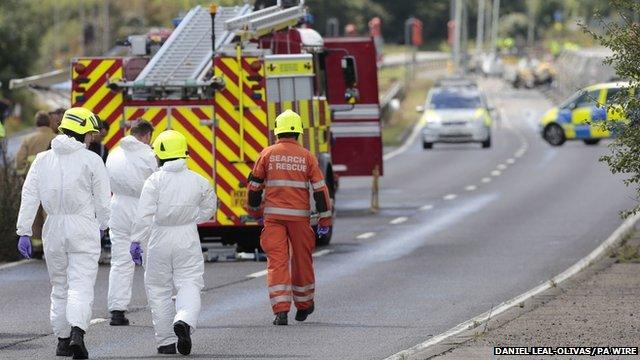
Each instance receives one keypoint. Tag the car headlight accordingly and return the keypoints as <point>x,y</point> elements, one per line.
<point>433,121</point>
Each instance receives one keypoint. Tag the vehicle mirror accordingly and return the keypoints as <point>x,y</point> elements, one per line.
<point>571,106</point>
<point>420,108</point>
<point>349,73</point>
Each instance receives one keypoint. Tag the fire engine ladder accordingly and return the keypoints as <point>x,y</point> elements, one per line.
<point>267,20</point>
<point>258,23</point>
<point>181,59</point>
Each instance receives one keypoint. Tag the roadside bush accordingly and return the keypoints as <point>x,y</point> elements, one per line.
<point>623,38</point>
<point>10,187</point>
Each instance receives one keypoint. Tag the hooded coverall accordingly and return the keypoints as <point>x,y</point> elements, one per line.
<point>287,171</point>
<point>173,201</point>
<point>129,165</point>
<point>72,185</point>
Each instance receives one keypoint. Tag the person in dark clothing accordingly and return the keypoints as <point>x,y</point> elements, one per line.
<point>96,144</point>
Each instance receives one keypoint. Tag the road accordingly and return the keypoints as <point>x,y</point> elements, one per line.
<point>461,229</point>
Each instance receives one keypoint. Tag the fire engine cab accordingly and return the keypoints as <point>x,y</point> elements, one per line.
<point>222,77</point>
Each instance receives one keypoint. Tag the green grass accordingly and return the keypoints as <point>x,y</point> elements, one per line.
<point>388,49</point>
<point>388,75</point>
<point>402,121</point>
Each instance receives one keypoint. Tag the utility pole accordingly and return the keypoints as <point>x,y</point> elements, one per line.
<point>494,30</point>
<point>106,33</point>
<point>457,32</point>
<point>82,25</point>
<point>464,47</point>
<point>480,27</point>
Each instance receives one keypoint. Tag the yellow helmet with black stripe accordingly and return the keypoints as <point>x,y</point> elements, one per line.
<point>79,120</point>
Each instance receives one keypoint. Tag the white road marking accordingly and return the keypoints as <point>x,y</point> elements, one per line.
<point>410,140</point>
<point>471,188</point>
<point>398,220</point>
<point>15,263</point>
<point>426,207</point>
<point>486,180</point>
<point>511,161</point>
<point>366,235</point>
<point>257,274</point>
<point>97,321</point>
<point>450,196</point>
<point>322,252</point>
<point>501,166</point>
<point>495,173</point>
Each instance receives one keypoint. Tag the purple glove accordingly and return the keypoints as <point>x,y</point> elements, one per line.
<point>322,231</point>
<point>136,253</point>
<point>24,246</point>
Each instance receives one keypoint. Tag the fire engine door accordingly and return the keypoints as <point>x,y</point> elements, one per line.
<point>352,91</point>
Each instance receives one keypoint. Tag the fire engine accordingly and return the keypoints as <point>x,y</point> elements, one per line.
<point>222,77</point>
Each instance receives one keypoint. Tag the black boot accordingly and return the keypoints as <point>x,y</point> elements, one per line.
<point>167,349</point>
<point>301,314</point>
<point>281,318</point>
<point>63,348</point>
<point>77,343</point>
<point>118,318</point>
<point>183,332</point>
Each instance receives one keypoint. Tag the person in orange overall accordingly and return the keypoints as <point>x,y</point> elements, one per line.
<point>287,172</point>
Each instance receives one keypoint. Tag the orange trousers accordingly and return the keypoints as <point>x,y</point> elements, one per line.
<point>289,245</point>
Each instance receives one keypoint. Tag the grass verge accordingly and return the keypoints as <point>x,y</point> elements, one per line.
<point>401,121</point>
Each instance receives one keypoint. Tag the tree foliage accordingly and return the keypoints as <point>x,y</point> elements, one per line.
<point>623,38</point>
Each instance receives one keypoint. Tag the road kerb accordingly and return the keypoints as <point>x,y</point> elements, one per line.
<point>422,350</point>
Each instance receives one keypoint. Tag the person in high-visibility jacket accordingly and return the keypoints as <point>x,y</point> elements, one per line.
<point>286,172</point>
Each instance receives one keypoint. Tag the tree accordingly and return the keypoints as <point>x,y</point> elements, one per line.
<point>623,38</point>
<point>20,39</point>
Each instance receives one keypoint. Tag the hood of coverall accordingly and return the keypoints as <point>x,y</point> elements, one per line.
<point>62,144</point>
<point>130,143</point>
<point>175,165</point>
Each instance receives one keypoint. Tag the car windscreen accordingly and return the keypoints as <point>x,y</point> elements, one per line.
<point>455,100</point>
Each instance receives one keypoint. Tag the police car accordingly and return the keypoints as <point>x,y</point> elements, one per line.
<point>456,114</point>
<point>578,117</point>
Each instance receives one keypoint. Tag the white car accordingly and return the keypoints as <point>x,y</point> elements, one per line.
<point>456,115</point>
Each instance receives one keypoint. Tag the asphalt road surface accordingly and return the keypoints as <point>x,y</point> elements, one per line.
<point>461,229</point>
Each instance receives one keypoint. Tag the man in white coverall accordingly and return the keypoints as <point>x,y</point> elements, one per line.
<point>72,185</point>
<point>129,165</point>
<point>173,201</point>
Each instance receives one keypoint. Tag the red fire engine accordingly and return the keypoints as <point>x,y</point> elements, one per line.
<point>222,77</point>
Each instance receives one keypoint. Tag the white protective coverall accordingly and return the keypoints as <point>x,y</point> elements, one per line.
<point>173,201</point>
<point>72,185</point>
<point>129,165</point>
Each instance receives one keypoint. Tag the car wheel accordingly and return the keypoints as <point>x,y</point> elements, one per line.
<point>591,141</point>
<point>427,145</point>
<point>554,135</point>
<point>487,143</point>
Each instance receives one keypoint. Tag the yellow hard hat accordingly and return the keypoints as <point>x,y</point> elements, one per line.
<point>79,120</point>
<point>170,144</point>
<point>288,122</point>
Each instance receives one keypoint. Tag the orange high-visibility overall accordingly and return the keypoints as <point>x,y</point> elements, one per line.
<point>286,172</point>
